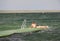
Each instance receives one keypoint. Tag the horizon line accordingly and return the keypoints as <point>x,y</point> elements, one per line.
<point>28,11</point>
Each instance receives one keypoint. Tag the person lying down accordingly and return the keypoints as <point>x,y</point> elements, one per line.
<point>34,25</point>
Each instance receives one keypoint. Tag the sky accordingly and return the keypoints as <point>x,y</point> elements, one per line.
<point>29,4</point>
